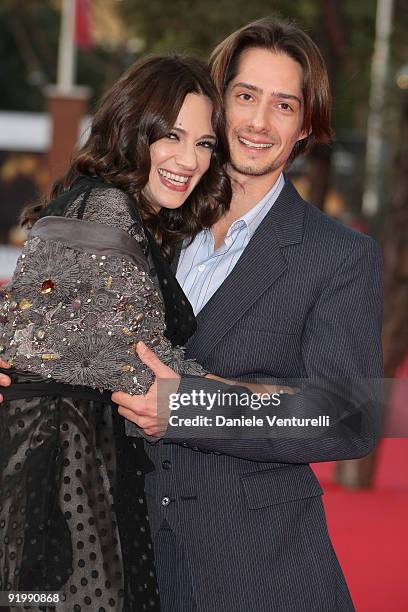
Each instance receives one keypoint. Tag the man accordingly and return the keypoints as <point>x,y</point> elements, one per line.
<point>280,291</point>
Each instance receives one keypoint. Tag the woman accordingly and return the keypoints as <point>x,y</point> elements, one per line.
<point>93,280</point>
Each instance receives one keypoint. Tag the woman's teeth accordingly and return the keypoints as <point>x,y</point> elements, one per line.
<point>173,178</point>
<point>254,145</point>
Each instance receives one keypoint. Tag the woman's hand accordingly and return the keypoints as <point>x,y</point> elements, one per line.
<point>5,381</point>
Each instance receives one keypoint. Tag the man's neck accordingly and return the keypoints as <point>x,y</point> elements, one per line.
<point>248,191</point>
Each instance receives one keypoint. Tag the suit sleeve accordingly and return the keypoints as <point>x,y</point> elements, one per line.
<point>341,349</point>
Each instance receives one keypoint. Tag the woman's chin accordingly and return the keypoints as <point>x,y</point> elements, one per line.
<point>172,205</point>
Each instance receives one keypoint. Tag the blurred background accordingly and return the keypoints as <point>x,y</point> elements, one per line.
<point>57,57</point>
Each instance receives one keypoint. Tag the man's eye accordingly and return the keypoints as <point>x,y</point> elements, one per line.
<point>284,106</point>
<point>245,96</point>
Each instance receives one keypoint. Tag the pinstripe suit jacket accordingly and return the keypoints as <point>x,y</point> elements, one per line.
<point>304,300</point>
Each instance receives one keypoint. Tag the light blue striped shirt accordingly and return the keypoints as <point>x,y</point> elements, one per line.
<point>201,269</point>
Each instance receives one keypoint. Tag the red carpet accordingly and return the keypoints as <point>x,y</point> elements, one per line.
<point>369,530</point>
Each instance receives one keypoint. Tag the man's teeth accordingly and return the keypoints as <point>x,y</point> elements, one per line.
<point>254,145</point>
<point>177,178</point>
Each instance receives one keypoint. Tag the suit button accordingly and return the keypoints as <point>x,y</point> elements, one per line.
<point>165,501</point>
<point>166,465</point>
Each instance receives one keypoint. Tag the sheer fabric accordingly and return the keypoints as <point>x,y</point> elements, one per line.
<point>72,506</point>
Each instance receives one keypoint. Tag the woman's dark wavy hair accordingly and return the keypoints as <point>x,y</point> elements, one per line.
<point>139,109</point>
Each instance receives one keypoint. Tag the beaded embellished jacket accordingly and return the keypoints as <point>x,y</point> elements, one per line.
<point>89,284</point>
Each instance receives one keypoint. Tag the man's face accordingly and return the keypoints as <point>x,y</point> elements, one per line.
<point>264,110</point>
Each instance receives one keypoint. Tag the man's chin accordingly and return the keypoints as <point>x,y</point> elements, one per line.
<point>247,169</point>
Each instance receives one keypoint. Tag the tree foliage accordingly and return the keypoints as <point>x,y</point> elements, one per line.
<point>28,48</point>
<point>29,32</point>
<point>343,29</point>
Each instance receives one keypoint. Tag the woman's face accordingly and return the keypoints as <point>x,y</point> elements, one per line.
<point>179,160</point>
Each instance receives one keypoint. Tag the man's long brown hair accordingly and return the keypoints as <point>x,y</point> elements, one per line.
<point>140,108</point>
<point>280,36</point>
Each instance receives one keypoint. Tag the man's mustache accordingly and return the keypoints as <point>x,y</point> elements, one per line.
<point>248,133</point>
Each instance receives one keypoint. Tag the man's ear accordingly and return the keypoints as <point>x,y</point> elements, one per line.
<point>304,134</point>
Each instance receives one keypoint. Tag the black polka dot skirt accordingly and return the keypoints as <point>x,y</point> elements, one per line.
<point>73,516</point>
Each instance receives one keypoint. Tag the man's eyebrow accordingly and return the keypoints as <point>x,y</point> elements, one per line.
<point>212,136</point>
<point>248,86</point>
<point>286,96</point>
<point>274,94</point>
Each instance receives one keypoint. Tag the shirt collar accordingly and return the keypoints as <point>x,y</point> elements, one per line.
<point>252,219</point>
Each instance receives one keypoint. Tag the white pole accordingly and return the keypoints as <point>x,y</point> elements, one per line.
<point>67,50</point>
<point>375,136</point>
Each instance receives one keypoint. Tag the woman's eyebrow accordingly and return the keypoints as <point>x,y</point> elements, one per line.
<point>212,136</point>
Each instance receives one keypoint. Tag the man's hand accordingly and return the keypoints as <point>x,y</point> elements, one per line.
<point>257,388</point>
<point>5,381</point>
<point>143,409</point>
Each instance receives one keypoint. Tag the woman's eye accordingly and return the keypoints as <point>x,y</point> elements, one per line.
<point>172,136</point>
<point>207,144</point>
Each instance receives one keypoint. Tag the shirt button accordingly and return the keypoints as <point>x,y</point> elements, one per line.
<point>165,501</point>
<point>201,268</point>
<point>166,465</point>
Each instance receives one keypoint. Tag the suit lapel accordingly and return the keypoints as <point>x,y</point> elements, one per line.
<point>260,265</point>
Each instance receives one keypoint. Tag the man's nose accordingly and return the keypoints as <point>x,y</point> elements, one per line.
<point>260,118</point>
